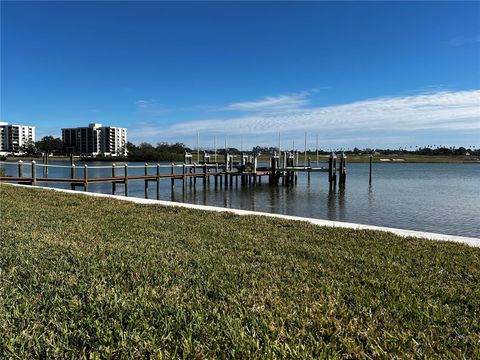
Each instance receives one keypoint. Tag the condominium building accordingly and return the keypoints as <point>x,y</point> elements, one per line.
<point>13,137</point>
<point>95,140</point>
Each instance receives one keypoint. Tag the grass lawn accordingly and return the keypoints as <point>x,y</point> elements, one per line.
<point>89,277</point>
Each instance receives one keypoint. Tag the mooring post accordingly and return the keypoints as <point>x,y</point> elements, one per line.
<point>20,168</point>
<point>172,172</point>
<point>114,185</point>
<point>370,169</point>
<point>158,181</point>
<point>71,159</point>
<point>332,162</point>
<point>46,164</point>
<point>125,181</point>
<point>227,161</point>
<point>72,176</point>
<point>194,175</point>
<point>85,177</point>
<point>216,173</point>
<point>34,173</point>
<point>343,169</point>
<point>255,163</point>
<point>146,181</point>
<point>184,177</point>
<point>44,160</point>
<point>205,171</point>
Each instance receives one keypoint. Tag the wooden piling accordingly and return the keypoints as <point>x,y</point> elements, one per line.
<point>332,165</point>
<point>20,168</point>
<point>343,169</point>
<point>172,172</point>
<point>370,169</point>
<point>184,178</point>
<point>114,184</point>
<point>146,181</point>
<point>72,176</point>
<point>158,181</point>
<point>34,173</point>
<point>85,177</point>
<point>45,165</point>
<point>126,180</point>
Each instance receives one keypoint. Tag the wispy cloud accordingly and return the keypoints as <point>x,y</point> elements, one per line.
<point>376,119</point>
<point>150,107</point>
<point>463,40</point>
<point>272,103</point>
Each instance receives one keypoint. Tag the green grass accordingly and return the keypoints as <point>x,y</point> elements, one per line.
<point>88,277</point>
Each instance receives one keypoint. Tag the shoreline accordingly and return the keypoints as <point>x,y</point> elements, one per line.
<point>470,241</point>
<point>357,159</point>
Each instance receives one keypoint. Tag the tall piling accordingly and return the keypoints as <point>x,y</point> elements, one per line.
<point>332,170</point>
<point>370,169</point>
<point>125,181</point>
<point>85,177</point>
<point>343,169</point>
<point>20,168</point>
<point>34,173</point>
<point>158,181</point>
<point>114,185</point>
<point>146,181</point>
<point>72,176</point>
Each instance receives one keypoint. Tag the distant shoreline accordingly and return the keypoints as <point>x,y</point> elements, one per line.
<point>407,158</point>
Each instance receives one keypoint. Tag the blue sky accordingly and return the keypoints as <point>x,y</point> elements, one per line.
<point>379,74</point>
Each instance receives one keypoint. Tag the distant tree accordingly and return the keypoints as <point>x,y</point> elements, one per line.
<point>49,144</point>
<point>28,148</point>
<point>131,147</point>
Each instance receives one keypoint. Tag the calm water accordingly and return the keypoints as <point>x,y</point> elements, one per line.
<point>443,198</point>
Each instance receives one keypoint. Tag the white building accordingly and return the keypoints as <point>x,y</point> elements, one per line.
<point>95,140</point>
<point>13,137</point>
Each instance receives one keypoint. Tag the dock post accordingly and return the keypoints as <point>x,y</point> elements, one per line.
<point>71,159</point>
<point>158,181</point>
<point>126,180</point>
<point>45,164</point>
<point>34,173</point>
<point>332,171</point>
<point>205,171</point>
<point>85,177</point>
<point>255,163</point>
<point>370,169</point>
<point>195,176</point>
<point>146,181</point>
<point>173,180</point>
<point>114,185</point>
<point>343,169</point>
<point>72,176</point>
<point>20,168</point>
<point>227,162</point>
<point>216,173</point>
<point>184,178</point>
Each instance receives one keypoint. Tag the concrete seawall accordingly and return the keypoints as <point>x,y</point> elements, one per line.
<point>475,242</point>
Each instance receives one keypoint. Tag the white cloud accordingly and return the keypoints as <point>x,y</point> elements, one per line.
<point>150,107</point>
<point>378,118</point>
<point>272,103</point>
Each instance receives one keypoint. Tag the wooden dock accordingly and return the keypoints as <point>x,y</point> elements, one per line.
<point>282,169</point>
